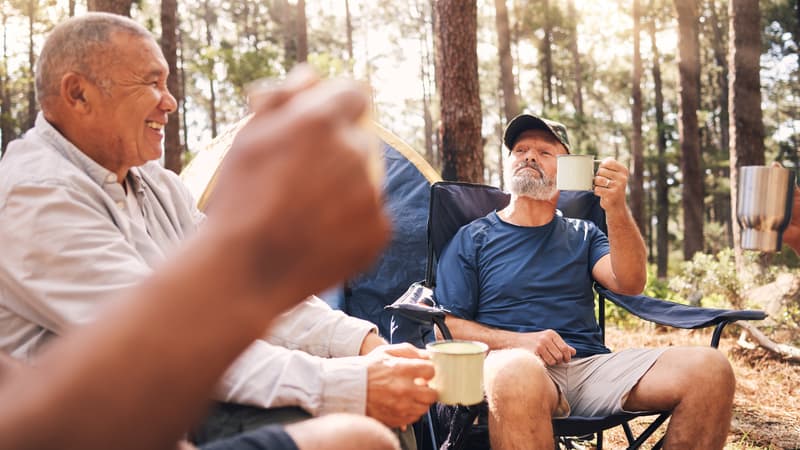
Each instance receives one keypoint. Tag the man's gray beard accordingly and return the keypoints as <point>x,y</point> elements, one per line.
<point>526,185</point>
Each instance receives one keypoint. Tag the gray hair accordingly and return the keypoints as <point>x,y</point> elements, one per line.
<point>80,44</point>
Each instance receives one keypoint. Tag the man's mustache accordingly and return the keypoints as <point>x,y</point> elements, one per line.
<point>532,164</point>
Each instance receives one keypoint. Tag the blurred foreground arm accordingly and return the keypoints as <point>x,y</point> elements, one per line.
<point>258,255</point>
<point>791,236</point>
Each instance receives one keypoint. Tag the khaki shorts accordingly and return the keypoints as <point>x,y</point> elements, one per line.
<point>599,385</point>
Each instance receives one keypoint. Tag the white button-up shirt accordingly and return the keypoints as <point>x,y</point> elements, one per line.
<point>68,246</point>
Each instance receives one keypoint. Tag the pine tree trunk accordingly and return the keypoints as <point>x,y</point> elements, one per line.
<point>576,63</point>
<point>691,160</point>
<point>6,128</point>
<point>173,151</point>
<point>212,107</point>
<point>121,7</point>
<point>462,149</point>
<point>547,59</point>
<point>32,10</point>
<point>349,31</point>
<point>71,8</point>
<point>302,32</point>
<point>722,201</point>
<point>636,181</point>
<point>510,102</point>
<point>662,189</point>
<point>747,128</point>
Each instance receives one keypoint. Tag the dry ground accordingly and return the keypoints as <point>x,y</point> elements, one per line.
<point>766,412</point>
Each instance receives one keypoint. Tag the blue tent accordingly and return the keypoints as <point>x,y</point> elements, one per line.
<point>406,191</point>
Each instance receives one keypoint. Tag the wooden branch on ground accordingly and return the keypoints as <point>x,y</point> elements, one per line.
<point>786,352</point>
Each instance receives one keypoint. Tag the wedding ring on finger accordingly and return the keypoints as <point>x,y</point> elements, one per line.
<point>608,182</point>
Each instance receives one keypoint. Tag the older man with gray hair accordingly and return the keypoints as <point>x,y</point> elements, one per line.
<point>86,211</point>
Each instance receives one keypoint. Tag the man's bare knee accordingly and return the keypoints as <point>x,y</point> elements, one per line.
<point>337,431</point>
<point>515,375</point>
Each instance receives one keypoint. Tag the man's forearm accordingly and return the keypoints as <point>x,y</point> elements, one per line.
<point>473,331</point>
<point>117,358</point>
<point>628,253</point>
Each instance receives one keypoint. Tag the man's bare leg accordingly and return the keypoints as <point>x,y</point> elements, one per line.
<point>338,431</point>
<point>521,398</point>
<point>698,384</point>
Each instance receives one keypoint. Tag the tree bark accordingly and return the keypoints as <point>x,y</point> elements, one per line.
<point>547,58</point>
<point>349,31</point>
<point>210,19</point>
<point>71,8</point>
<point>576,62</point>
<point>636,182</point>
<point>121,7</point>
<point>462,149</point>
<point>302,32</point>
<point>747,128</point>
<point>173,151</point>
<point>425,67</point>
<point>691,160</point>
<point>32,11</point>
<point>510,102</point>
<point>6,127</point>
<point>722,202</point>
<point>662,189</point>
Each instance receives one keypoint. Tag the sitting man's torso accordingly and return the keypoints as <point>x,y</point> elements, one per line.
<point>525,279</point>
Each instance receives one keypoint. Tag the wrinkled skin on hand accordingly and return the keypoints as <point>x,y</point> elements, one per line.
<point>397,384</point>
<point>610,183</point>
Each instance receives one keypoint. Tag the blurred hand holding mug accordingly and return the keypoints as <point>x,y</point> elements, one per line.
<point>764,206</point>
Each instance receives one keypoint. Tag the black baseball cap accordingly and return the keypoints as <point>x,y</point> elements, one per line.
<point>525,122</point>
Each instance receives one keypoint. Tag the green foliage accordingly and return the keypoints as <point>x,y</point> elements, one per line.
<point>244,67</point>
<point>713,279</point>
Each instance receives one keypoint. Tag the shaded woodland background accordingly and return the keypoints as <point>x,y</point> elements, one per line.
<point>683,91</point>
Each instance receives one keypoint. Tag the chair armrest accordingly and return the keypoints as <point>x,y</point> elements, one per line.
<point>675,314</point>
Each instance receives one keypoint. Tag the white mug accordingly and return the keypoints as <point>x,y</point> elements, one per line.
<point>575,172</point>
<point>459,371</point>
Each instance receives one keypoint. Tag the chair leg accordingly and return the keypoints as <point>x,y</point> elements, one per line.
<point>649,431</point>
<point>600,440</point>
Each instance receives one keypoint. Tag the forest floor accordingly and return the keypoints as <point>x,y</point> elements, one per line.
<point>766,411</point>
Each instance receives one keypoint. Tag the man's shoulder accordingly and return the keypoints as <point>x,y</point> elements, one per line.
<point>29,160</point>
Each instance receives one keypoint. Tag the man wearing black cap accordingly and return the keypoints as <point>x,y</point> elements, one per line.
<point>520,279</point>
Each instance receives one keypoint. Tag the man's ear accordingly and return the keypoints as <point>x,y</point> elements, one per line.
<point>73,91</point>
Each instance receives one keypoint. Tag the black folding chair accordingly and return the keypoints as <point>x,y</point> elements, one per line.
<point>453,205</point>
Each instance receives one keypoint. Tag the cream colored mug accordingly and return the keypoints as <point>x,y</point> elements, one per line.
<point>459,371</point>
<point>575,172</point>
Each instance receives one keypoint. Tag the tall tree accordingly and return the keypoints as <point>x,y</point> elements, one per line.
<point>301,31</point>
<point>348,25</point>
<point>747,128</point>
<point>636,182</point>
<point>121,7</point>
<point>32,12</point>
<point>173,151</point>
<point>662,189</point>
<point>6,126</point>
<point>691,161</point>
<point>577,68</point>
<point>210,19</point>
<point>546,51</point>
<point>510,102</point>
<point>462,149</point>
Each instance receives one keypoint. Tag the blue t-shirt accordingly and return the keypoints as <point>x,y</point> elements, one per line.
<point>525,278</point>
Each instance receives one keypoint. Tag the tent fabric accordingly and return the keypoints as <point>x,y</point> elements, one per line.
<point>406,192</point>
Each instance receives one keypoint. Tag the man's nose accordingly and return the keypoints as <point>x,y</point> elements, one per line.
<point>168,102</point>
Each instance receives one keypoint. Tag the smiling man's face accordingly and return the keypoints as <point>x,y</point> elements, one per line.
<point>132,105</point>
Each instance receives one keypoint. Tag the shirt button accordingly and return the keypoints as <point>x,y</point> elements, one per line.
<point>111,178</point>
<point>121,205</point>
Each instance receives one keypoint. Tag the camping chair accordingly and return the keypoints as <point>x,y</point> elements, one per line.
<point>453,205</point>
